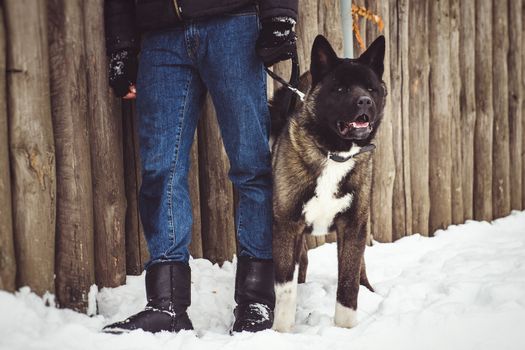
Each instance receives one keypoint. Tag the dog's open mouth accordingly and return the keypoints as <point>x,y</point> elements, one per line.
<point>361,122</point>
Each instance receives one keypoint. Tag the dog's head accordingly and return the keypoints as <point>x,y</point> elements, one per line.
<point>349,94</point>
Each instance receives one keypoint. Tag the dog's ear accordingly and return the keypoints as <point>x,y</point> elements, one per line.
<point>324,59</point>
<point>374,56</point>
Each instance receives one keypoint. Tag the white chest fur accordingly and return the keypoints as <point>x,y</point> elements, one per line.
<point>320,210</point>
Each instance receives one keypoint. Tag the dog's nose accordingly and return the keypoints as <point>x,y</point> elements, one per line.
<point>364,101</point>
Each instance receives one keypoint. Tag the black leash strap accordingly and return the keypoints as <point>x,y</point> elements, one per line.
<point>294,81</point>
<point>337,158</point>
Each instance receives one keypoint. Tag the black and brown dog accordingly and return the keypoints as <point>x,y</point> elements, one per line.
<point>323,172</point>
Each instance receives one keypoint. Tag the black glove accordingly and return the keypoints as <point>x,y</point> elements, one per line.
<point>277,40</point>
<point>122,71</point>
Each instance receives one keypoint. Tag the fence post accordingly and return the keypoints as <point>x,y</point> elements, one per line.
<point>7,249</point>
<point>31,143</point>
<point>105,130</point>
<point>484,112</point>
<point>455,110</point>
<point>218,226</point>
<point>136,250</point>
<point>440,165</point>
<point>515,101</point>
<point>384,167</point>
<point>500,152</point>
<point>419,115</point>
<point>75,271</point>
<point>467,114</point>
<point>398,40</point>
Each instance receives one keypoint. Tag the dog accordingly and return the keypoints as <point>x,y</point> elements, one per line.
<point>322,168</point>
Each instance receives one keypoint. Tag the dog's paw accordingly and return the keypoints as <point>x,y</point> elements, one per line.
<point>285,305</point>
<point>345,317</point>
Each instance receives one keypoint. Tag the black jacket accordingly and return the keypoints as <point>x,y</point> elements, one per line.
<point>125,20</point>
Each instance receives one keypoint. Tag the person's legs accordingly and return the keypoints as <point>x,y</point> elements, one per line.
<point>236,80</point>
<point>235,77</point>
<point>169,97</point>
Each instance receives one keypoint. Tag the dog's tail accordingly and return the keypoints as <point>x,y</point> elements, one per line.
<point>279,104</point>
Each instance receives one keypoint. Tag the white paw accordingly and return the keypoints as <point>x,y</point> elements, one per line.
<point>344,316</point>
<point>285,305</point>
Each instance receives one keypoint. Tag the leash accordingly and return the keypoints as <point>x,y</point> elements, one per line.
<point>292,85</point>
<point>337,158</point>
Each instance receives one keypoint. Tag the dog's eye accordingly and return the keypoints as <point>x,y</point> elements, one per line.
<point>370,89</point>
<point>340,89</point>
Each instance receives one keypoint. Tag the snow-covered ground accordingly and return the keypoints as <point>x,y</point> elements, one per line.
<point>463,289</point>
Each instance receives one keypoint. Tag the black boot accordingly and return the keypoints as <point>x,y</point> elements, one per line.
<point>254,294</point>
<point>168,288</point>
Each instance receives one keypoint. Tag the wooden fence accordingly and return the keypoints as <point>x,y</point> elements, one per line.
<point>450,147</point>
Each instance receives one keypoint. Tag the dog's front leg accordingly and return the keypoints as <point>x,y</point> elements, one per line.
<point>351,242</point>
<point>285,245</point>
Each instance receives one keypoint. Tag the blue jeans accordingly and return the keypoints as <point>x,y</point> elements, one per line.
<point>177,66</point>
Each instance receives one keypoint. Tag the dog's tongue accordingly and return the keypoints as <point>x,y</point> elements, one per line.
<point>358,125</point>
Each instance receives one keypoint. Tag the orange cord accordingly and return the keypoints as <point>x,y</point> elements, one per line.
<point>358,11</point>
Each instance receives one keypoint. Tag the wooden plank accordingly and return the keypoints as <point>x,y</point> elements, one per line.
<point>193,182</point>
<point>74,243</point>
<point>329,17</point>
<point>440,166</point>
<point>7,248</point>
<point>105,124</point>
<point>523,104</point>
<point>515,101</point>
<point>500,151</point>
<point>484,112</point>
<point>384,166</point>
<point>402,206</point>
<point>135,242</point>
<point>455,110</point>
<point>467,34</point>
<point>307,29</point>
<point>31,143</point>
<point>216,192</point>
<point>419,115</point>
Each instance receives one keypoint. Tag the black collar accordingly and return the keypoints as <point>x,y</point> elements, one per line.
<point>337,158</point>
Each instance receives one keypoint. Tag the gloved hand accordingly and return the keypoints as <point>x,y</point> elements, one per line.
<point>277,40</point>
<point>123,72</point>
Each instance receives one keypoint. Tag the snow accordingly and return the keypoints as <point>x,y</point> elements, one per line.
<point>463,289</point>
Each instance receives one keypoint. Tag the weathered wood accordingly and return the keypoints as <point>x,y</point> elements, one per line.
<point>74,243</point>
<point>329,18</point>
<point>105,124</point>
<point>455,110</point>
<point>384,166</point>
<point>31,143</point>
<point>419,67</point>
<point>500,151</point>
<point>307,29</point>
<point>136,249</point>
<point>523,104</point>
<point>440,166</point>
<point>216,192</point>
<point>467,34</point>
<point>515,101</point>
<point>398,39</point>
<point>193,183</point>
<point>484,112</point>
<point>7,248</point>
